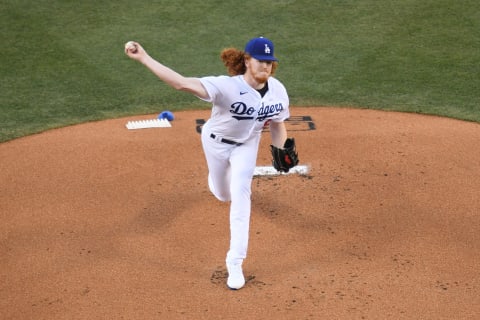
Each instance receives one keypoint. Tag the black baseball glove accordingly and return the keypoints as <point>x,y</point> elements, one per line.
<point>286,158</point>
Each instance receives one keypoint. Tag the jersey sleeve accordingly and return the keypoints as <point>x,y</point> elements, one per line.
<point>213,86</point>
<point>281,91</point>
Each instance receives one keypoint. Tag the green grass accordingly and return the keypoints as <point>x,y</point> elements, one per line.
<point>62,62</point>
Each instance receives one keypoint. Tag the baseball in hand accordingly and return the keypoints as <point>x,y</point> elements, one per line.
<point>131,46</point>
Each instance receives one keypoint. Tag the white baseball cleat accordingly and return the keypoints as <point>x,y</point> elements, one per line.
<point>235,280</point>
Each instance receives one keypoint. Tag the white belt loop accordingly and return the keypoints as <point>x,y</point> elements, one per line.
<point>216,137</point>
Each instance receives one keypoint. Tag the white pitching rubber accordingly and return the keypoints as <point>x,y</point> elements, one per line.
<point>153,123</point>
<point>271,171</point>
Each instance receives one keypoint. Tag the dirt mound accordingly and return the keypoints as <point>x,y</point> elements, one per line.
<point>103,222</point>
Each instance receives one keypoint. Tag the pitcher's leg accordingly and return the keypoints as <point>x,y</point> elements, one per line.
<point>240,209</point>
<point>243,160</point>
<point>217,156</point>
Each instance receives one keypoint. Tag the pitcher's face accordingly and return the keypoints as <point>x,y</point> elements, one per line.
<point>258,70</point>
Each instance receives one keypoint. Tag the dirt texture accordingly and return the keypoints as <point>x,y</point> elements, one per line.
<point>101,222</point>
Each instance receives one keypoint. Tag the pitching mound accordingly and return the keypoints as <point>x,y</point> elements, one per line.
<point>99,222</point>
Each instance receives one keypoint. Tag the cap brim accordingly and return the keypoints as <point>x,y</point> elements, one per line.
<point>265,58</point>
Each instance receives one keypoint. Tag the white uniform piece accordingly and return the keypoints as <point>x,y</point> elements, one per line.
<point>238,116</point>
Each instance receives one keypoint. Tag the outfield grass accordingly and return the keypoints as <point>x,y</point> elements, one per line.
<point>62,62</point>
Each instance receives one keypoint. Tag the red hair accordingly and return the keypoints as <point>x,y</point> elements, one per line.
<point>234,60</point>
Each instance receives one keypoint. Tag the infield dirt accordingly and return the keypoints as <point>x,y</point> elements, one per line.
<point>101,222</point>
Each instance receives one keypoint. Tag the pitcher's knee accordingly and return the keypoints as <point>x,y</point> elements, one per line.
<point>223,198</point>
<point>221,195</point>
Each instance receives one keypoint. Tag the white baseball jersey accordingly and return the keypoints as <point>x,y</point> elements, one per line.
<point>239,110</point>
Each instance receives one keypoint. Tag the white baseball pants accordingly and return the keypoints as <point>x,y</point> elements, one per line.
<point>230,173</point>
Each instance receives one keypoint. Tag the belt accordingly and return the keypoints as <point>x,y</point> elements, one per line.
<point>226,140</point>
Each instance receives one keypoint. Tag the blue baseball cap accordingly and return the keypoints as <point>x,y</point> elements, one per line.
<point>261,49</point>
